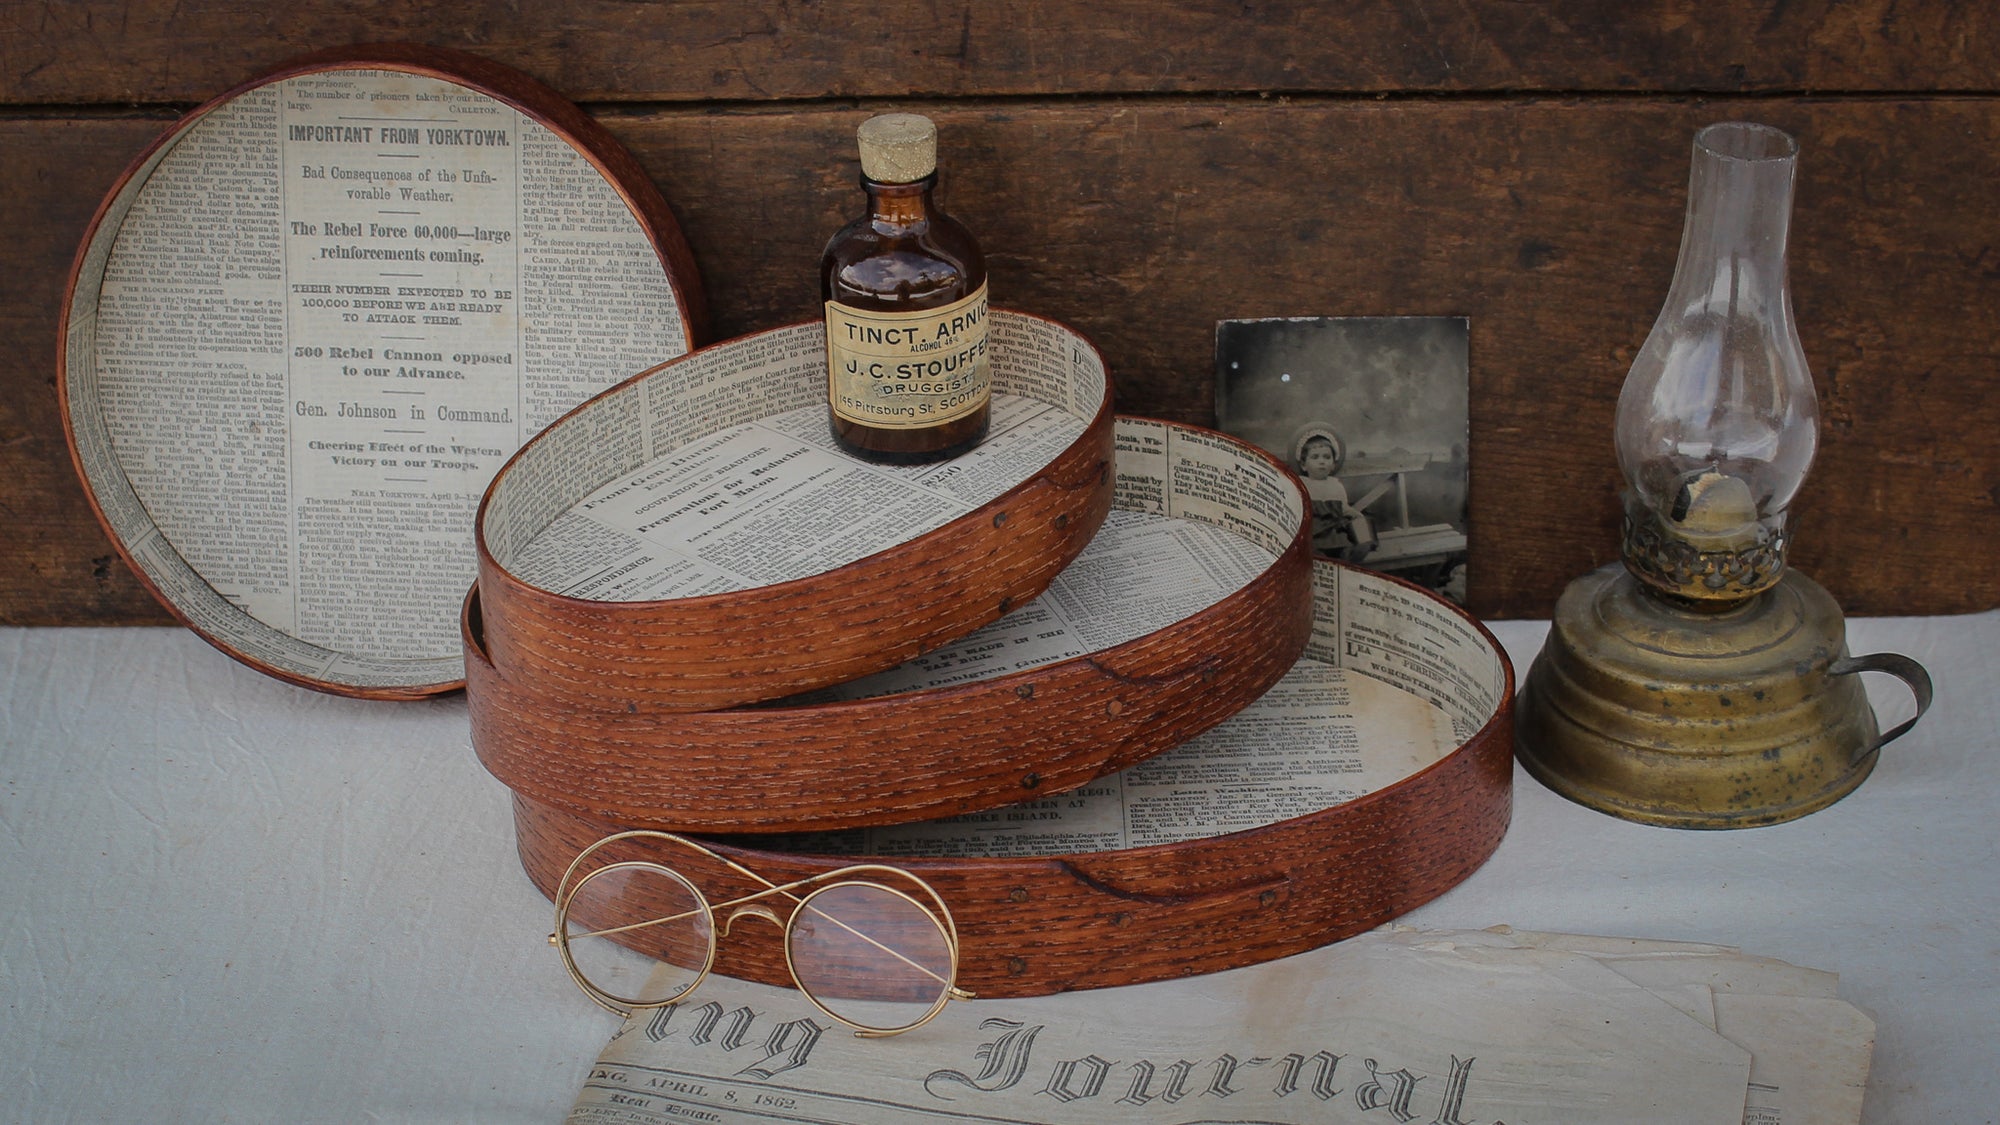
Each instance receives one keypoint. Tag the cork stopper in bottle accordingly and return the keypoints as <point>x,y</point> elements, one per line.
<point>898,148</point>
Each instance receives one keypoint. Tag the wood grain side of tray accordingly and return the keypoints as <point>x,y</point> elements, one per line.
<point>722,650</point>
<point>897,758</point>
<point>1031,927</point>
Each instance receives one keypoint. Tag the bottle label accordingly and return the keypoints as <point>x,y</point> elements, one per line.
<point>908,370</point>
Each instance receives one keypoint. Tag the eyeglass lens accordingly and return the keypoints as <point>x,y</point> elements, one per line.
<point>869,955</point>
<point>631,898</point>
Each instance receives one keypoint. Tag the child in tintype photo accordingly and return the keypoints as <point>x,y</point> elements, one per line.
<point>1339,528</point>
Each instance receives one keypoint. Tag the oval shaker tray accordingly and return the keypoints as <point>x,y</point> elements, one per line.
<point>692,540</point>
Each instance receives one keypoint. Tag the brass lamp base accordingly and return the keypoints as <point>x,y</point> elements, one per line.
<point>1648,711</point>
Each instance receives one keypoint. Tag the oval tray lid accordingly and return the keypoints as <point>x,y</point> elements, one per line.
<point>1189,603</point>
<point>692,540</point>
<point>1375,777</point>
<point>314,317</point>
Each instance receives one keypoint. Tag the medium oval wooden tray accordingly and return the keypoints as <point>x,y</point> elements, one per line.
<point>713,428</point>
<point>311,320</point>
<point>935,751</point>
<point>1033,925</point>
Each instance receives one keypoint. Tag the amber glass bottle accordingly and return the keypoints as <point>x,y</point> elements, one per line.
<point>905,293</point>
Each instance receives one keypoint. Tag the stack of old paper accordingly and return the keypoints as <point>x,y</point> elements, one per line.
<point>1482,1027</point>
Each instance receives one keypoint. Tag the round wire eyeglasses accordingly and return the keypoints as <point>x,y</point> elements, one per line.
<point>870,945</point>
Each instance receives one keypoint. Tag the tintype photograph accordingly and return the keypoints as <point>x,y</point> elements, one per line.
<point>1371,413</point>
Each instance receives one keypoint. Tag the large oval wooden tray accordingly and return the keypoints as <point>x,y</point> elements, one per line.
<point>312,319</point>
<point>848,600</point>
<point>940,750</point>
<point>1040,924</point>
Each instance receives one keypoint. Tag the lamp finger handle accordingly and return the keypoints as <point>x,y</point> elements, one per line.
<point>1913,675</point>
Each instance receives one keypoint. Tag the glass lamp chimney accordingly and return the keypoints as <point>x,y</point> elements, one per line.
<point>1718,421</point>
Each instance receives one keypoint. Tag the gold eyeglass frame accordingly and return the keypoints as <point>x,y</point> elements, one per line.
<point>750,906</point>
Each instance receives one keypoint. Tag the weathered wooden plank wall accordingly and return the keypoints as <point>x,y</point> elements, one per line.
<point>1143,170</point>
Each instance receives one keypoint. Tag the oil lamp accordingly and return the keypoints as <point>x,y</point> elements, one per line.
<point>1702,684</point>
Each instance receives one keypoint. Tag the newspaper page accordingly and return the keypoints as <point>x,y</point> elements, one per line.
<point>335,305</point>
<point>1435,1028</point>
<point>1809,1055</point>
<point>1810,1051</point>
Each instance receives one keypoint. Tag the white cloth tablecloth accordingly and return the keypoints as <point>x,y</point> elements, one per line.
<point>223,898</point>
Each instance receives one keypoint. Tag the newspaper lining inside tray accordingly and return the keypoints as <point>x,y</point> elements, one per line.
<point>309,328</point>
<point>770,501</point>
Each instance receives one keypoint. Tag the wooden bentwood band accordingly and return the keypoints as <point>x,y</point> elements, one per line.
<point>721,650</point>
<point>1030,927</point>
<point>894,759</point>
<point>620,169</point>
